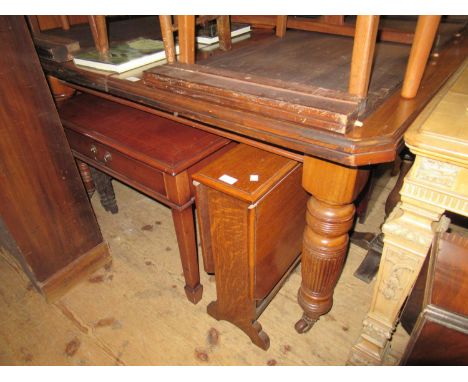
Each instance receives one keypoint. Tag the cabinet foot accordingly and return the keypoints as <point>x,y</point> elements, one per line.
<point>250,327</point>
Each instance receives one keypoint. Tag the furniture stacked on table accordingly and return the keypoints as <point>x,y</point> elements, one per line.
<point>437,182</point>
<point>281,95</point>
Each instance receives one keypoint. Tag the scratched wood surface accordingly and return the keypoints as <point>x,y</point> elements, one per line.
<point>135,312</point>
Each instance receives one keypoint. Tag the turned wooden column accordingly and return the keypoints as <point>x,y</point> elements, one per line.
<point>330,214</point>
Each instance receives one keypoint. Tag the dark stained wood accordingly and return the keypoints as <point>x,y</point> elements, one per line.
<point>154,155</point>
<point>60,49</point>
<point>42,199</point>
<point>449,272</point>
<point>133,133</point>
<point>438,345</point>
<point>440,336</point>
<point>244,238</point>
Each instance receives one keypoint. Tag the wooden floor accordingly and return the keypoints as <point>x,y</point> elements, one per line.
<point>135,312</point>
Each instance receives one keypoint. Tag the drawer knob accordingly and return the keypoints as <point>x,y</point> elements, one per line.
<point>93,149</point>
<point>107,157</point>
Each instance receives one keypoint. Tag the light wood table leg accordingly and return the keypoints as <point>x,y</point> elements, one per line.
<point>330,214</point>
<point>409,231</point>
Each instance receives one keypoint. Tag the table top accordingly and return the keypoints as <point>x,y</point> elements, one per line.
<point>159,142</point>
<point>441,130</point>
<point>376,140</point>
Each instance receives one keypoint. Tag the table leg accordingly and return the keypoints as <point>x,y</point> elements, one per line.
<point>105,189</point>
<point>178,192</point>
<point>186,239</point>
<point>408,235</point>
<point>330,214</point>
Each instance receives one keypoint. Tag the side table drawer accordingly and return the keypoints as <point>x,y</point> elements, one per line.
<point>118,165</point>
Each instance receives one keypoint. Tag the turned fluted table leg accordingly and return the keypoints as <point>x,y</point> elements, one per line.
<point>330,214</point>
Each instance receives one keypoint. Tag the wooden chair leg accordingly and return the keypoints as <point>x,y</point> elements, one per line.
<point>99,30</point>
<point>65,22</point>
<point>165,22</point>
<point>85,173</point>
<point>363,54</point>
<point>424,36</point>
<point>186,25</point>
<point>281,22</point>
<point>224,32</point>
<point>103,183</point>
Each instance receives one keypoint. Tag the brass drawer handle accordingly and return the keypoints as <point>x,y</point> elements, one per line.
<point>93,149</point>
<point>107,157</point>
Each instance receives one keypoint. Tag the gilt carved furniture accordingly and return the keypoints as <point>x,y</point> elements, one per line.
<point>293,96</point>
<point>437,182</point>
<point>250,207</point>
<point>152,154</point>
